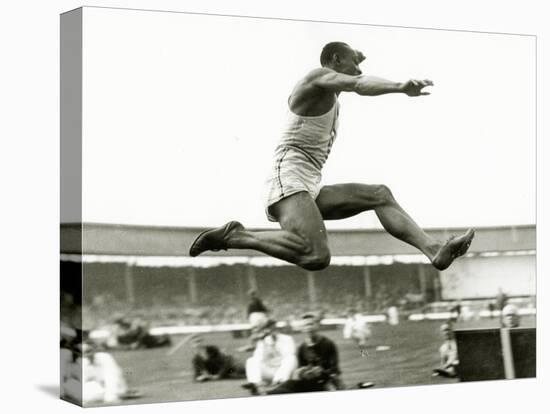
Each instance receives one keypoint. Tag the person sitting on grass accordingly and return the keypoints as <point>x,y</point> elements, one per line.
<point>448,353</point>
<point>273,361</point>
<point>210,363</point>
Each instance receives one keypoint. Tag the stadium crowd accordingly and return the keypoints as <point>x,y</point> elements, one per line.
<point>227,308</point>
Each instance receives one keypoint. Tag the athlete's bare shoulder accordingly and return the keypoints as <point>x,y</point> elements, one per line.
<point>313,75</point>
<point>307,98</point>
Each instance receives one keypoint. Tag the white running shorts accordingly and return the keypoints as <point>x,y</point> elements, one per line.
<point>293,172</point>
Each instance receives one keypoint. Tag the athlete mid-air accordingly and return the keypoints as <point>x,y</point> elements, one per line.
<point>295,197</point>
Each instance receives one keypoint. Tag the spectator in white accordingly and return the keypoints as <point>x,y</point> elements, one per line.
<point>257,314</point>
<point>94,377</point>
<point>71,377</point>
<point>256,311</point>
<point>393,315</point>
<point>510,316</point>
<point>357,328</point>
<point>273,361</point>
<point>71,365</point>
<point>448,354</point>
<point>318,362</point>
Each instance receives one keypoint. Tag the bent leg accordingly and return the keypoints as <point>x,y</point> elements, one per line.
<point>346,200</point>
<point>302,239</point>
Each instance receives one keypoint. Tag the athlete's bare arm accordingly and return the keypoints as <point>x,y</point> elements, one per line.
<point>329,79</point>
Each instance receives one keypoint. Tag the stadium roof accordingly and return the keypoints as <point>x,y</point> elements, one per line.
<point>137,241</point>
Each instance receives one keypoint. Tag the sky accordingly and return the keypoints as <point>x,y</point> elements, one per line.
<point>181,114</point>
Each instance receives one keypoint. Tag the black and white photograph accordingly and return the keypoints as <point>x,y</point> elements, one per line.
<point>274,206</point>
<point>271,206</point>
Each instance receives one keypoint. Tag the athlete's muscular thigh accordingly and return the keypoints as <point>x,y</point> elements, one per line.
<point>299,214</point>
<point>346,200</point>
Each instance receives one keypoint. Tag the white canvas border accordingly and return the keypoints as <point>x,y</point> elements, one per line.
<point>32,213</point>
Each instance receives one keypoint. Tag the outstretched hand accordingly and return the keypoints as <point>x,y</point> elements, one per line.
<point>413,87</point>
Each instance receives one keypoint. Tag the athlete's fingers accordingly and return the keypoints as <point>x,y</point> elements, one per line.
<point>424,93</point>
<point>427,82</point>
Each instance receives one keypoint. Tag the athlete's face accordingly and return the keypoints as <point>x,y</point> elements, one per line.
<point>349,61</point>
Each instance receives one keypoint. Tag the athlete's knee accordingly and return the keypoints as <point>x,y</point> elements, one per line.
<point>315,263</point>
<point>317,260</point>
<point>384,194</point>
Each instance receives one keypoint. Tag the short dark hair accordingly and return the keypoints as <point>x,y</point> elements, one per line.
<point>330,49</point>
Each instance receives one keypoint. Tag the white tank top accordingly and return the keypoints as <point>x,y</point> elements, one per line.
<point>311,135</point>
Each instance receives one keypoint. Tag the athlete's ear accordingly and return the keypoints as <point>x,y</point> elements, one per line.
<point>336,59</point>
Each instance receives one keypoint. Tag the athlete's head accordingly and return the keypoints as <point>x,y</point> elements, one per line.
<point>342,58</point>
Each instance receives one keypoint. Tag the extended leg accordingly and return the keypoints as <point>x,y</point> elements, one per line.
<point>302,240</point>
<point>346,200</point>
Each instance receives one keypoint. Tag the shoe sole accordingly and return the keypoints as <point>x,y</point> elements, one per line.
<point>228,228</point>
